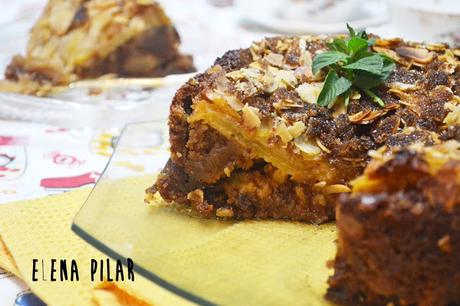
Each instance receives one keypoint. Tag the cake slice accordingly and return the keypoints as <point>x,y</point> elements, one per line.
<point>399,231</point>
<point>81,39</point>
<point>249,139</point>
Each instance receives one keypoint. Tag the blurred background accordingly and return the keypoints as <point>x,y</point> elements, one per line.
<point>210,27</point>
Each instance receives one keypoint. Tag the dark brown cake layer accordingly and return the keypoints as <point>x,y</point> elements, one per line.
<point>153,54</point>
<point>399,242</point>
<point>418,100</point>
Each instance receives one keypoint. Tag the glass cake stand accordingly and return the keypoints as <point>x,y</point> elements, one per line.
<point>202,260</point>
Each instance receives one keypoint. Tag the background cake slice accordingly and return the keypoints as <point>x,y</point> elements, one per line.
<point>86,39</point>
<point>250,140</point>
<point>399,231</point>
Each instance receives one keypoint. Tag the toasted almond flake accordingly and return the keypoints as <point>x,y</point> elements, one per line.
<point>274,59</point>
<point>296,129</point>
<point>402,86</point>
<point>391,54</point>
<point>232,101</point>
<point>336,188</point>
<point>275,78</point>
<point>196,196</point>
<point>254,49</point>
<point>444,244</point>
<point>436,47</point>
<point>288,77</point>
<point>450,63</point>
<point>422,56</point>
<point>227,171</point>
<point>282,131</point>
<point>453,117</point>
<point>307,146</point>
<point>309,92</point>
<point>387,42</point>
<point>251,117</point>
<point>359,116</point>
<point>355,95</point>
<point>247,88</point>
<point>286,104</point>
<point>144,2</point>
<point>244,73</point>
<point>224,213</point>
<point>320,144</point>
<point>305,59</point>
<point>318,186</point>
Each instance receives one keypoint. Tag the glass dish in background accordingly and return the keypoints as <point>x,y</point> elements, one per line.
<point>81,108</point>
<point>205,261</point>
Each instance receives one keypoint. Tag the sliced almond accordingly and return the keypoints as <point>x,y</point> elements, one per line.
<point>282,131</point>
<point>336,188</point>
<point>307,146</point>
<point>391,54</point>
<point>419,55</point>
<point>251,117</point>
<point>296,129</point>
<point>309,92</point>
<point>274,59</point>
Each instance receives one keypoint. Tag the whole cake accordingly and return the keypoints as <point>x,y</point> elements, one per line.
<point>279,129</point>
<point>81,39</point>
<point>399,230</point>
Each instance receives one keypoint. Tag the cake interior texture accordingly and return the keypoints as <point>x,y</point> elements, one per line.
<point>82,39</point>
<point>399,230</point>
<point>248,139</point>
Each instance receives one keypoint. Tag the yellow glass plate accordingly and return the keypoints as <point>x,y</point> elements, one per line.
<point>205,261</point>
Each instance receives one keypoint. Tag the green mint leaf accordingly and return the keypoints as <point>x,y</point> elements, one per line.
<point>352,65</point>
<point>366,80</point>
<point>361,54</point>
<point>374,97</point>
<point>347,95</point>
<point>351,31</point>
<point>388,67</point>
<point>332,88</point>
<point>372,64</point>
<point>327,58</point>
<point>338,45</point>
<point>362,34</point>
<point>357,44</point>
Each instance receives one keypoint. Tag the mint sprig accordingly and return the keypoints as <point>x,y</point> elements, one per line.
<point>351,65</point>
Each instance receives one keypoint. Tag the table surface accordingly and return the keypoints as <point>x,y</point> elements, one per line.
<point>40,159</point>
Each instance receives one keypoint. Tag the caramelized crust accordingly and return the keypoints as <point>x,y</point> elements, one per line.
<point>255,110</point>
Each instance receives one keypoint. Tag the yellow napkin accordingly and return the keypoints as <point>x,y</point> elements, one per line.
<point>41,229</point>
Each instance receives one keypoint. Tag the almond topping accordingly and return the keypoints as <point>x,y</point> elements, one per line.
<point>307,146</point>
<point>296,129</point>
<point>282,131</point>
<point>251,117</point>
<point>274,59</point>
<point>422,56</point>
<point>336,188</point>
<point>224,213</point>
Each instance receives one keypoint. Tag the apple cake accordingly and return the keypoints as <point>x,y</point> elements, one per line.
<point>250,140</point>
<point>399,230</point>
<point>82,39</point>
